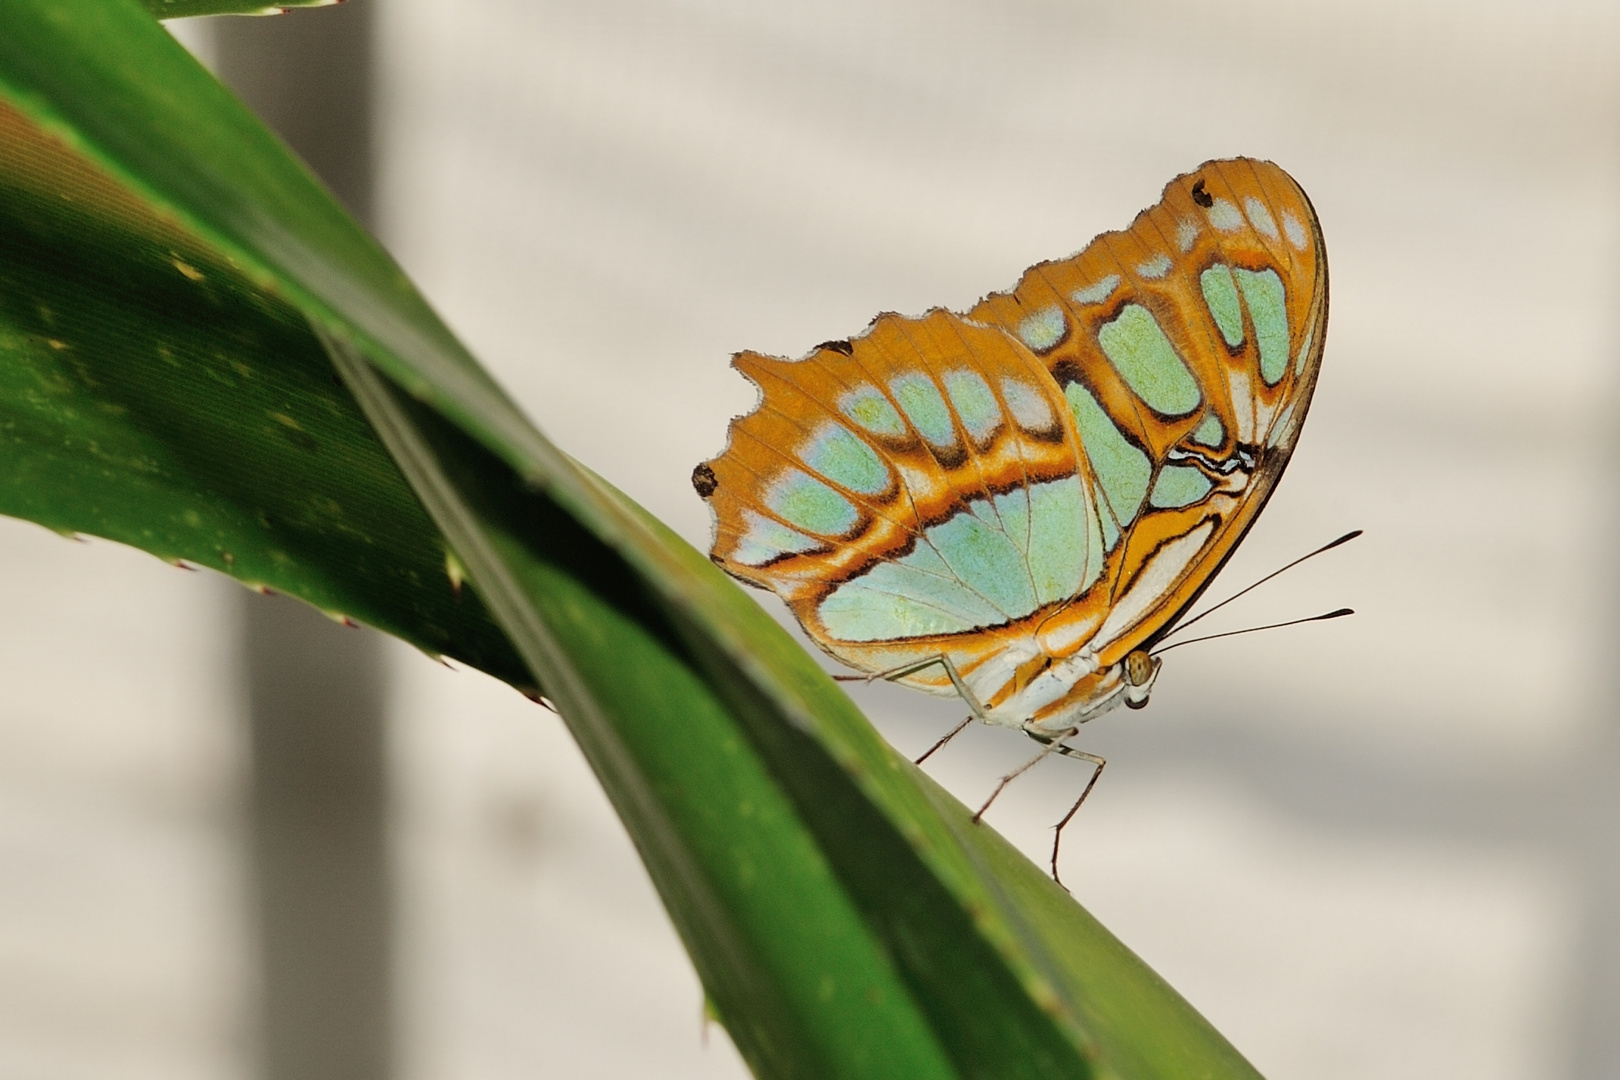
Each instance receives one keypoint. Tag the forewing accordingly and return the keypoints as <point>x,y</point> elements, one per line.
<point>1187,348</point>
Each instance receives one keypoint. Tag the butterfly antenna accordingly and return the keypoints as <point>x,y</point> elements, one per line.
<point>1345,539</point>
<point>1339,614</point>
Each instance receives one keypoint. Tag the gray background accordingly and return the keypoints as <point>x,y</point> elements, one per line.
<point>1381,847</point>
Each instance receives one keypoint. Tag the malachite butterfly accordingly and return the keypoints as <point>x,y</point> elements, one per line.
<point>1016,503</point>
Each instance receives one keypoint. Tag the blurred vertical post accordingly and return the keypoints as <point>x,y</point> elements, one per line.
<point>1588,794</point>
<point>319,794</point>
<point>1595,1049</point>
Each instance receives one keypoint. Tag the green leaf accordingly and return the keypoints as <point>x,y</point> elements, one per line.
<point>176,282</point>
<point>149,394</point>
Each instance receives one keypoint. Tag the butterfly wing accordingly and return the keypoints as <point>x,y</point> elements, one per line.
<point>1065,467</point>
<point>1188,347</point>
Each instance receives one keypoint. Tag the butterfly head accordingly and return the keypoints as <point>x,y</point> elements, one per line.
<point>1073,690</point>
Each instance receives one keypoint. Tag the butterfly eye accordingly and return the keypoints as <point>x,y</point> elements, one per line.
<point>1139,668</point>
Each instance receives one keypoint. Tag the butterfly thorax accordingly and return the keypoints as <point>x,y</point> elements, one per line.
<point>1056,680</point>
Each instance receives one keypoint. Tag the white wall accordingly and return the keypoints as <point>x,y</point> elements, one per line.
<point>122,925</point>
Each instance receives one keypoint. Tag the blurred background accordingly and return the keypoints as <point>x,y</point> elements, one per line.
<point>238,841</point>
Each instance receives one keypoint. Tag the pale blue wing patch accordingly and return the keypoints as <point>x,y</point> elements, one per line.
<point>926,559</point>
<point>1221,297</point>
<point>920,400</point>
<point>1178,486</point>
<point>1263,292</point>
<point>1154,268</point>
<point>1096,294</point>
<point>867,406</point>
<point>987,512</point>
<point>1062,534</point>
<point>1098,521</point>
<point>764,540</point>
<point>804,501</point>
<point>1027,404</point>
<point>977,407</point>
<point>985,560</point>
<point>936,581</point>
<point>1186,234</point>
<point>1108,527</point>
<point>1279,427</point>
<point>1224,217</point>
<point>1260,217</point>
<point>1295,231</point>
<point>895,602</point>
<point>1043,330</point>
<point>916,595</point>
<point>1121,468</point>
<point>1210,432</point>
<point>1144,357</point>
<point>844,458</point>
<point>1238,384</point>
<point>967,574</point>
<point>1013,510</point>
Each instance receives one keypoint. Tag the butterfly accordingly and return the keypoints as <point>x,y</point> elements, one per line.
<point>1015,504</point>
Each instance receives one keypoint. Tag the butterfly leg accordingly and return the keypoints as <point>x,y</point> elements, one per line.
<point>1050,746</point>
<point>897,673</point>
<point>1057,839</point>
<point>967,695</point>
<point>949,735</point>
